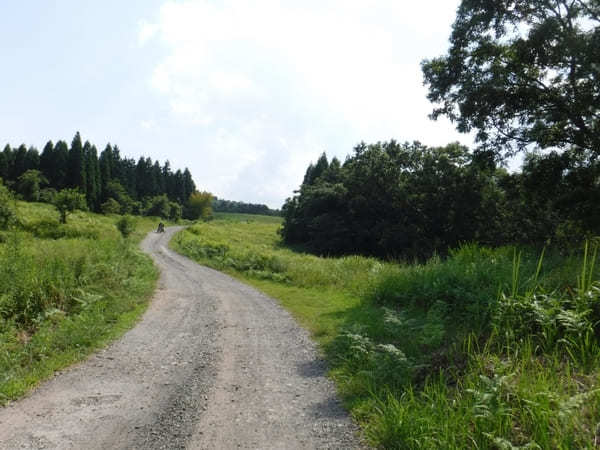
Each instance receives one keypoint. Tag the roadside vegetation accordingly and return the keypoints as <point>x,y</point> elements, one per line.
<point>485,348</point>
<point>66,289</point>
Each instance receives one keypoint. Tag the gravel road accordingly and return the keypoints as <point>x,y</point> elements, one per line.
<point>213,364</point>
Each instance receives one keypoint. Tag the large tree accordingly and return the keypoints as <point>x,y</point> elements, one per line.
<point>522,73</point>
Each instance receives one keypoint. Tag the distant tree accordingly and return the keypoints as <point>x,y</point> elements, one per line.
<point>522,72</point>
<point>67,201</point>
<point>93,182</point>
<point>175,211</point>
<point>105,163</point>
<point>7,210</point>
<point>126,225</point>
<point>61,165</point>
<point>199,206</point>
<point>29,185</point>
<point>159,206</point>
<point>110,206</point>
<point>6,162</point>
<point>76,175</point>
<point>20,162</point>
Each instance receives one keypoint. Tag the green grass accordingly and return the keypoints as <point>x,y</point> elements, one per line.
<point>488,348</point>
<point>65,291</point>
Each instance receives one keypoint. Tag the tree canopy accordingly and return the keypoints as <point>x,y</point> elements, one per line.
<point>522,72</point>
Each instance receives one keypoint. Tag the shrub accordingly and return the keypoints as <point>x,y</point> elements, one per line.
<point>7,210</point>
<point>126,225</point>
<point>159,206</point>
<point>110,206</point>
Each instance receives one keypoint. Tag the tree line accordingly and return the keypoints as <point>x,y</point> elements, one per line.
<point>229,206</point>
<point>110,182</point>
<point>411,201</point>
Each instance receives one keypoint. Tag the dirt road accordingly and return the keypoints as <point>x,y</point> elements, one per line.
<point>213,364</point>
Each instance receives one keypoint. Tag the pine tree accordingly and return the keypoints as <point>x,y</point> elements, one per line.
<point>61,165</point>
<point>76,176</point>
<point>47,163</point>
<point>6,162</point>
<point>20,162</point>
<point>105,163</point>
<point>92,171</point>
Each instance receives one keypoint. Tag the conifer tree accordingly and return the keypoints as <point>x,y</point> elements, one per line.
<point>61,165</point>
<point>92,171</point>
<point>76,176</point>
<point>47,166</point>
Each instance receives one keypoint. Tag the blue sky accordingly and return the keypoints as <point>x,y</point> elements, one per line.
<point>243,92</point>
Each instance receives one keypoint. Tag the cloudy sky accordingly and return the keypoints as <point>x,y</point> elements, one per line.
<point>243,92</point>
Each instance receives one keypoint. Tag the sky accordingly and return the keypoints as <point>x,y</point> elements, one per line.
<point>245,93</point>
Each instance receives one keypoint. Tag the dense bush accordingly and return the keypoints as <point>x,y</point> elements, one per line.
<point>7,210</point>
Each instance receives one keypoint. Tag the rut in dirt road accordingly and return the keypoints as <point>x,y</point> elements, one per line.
<point>213,364</point>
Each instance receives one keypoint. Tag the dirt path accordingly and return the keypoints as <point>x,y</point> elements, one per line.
<point>213,364</point>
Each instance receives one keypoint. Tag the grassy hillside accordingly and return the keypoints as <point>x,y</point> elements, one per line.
<point>65,290</point>
<point>485,349</point>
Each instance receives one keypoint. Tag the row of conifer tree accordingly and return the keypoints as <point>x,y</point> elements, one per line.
<point>100,177</point>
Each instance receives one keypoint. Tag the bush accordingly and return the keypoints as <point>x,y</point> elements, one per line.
<point>7,210</point>
<point>126,225</point>
<point>175,211</point>
<point>159,206</point>
<point>110,206</point>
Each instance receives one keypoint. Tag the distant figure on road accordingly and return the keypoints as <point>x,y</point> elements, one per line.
<point>161,228</point>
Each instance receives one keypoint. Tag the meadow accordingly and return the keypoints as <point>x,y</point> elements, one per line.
<point>485,348</point>
<point>66,290</point>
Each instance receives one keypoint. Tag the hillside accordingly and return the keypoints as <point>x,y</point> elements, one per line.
<point>65,290</point>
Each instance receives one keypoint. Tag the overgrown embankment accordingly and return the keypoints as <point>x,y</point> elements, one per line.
<point>65,290</point>
<point>488,348</point>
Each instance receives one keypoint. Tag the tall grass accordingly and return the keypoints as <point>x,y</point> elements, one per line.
<point>487,348</point>
<point>65,289</point>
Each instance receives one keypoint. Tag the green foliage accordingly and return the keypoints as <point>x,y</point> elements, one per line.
<point>398,200</point>
<point>486,348</point>
<point>199,206</point>
<point>110,206</point>
<point>175,211</point>
<point>65,290</point>
<point>29,185</point>
<point>67,201</point>
<point>159,206</point>
<point>229,206</point>
<point>126,225</point>
<point>109,176</point>
<point>520,73</point>
<point>7,210</point>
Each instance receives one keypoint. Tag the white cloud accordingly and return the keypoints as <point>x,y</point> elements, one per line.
<point>268,84</point>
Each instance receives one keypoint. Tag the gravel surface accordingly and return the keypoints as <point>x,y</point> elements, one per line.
<point>213,364</point>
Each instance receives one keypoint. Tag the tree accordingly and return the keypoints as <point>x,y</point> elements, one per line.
<point>76,175</point>
<point>522,72</point>
<point>92,170</point>
<point>110,206</point>
<point>67,201</point>
<point>159,206</point>
<point>199,206</point>
<point>29,185</point>
<point>61,163</point>
<point>7,210</point>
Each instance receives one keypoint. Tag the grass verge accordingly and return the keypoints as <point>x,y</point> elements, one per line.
<point>65,291</point>
<point>488,348</point>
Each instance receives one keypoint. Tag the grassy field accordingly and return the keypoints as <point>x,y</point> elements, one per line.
<point>484,349</point>
<point>65,290</point>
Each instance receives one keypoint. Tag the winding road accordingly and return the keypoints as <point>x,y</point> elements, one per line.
<point>213,364</point>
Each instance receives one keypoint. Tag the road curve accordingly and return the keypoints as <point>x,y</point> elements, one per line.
<point>213,364</point>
